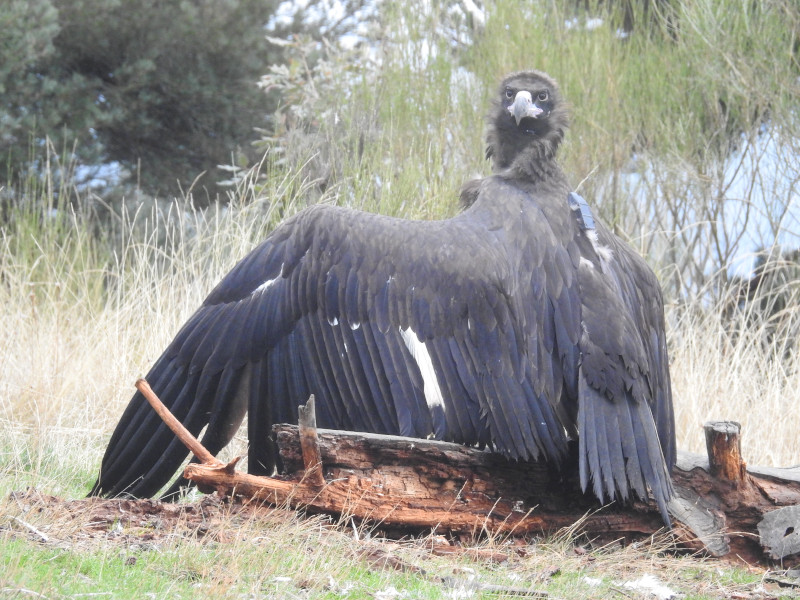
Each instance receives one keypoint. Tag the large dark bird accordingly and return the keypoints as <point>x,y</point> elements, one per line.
<point>520,324</point>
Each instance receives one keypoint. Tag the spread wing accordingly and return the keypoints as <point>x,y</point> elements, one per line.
<point>464,330</point>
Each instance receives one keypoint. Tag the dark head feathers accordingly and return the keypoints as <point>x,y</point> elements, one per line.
<point>520,141</point>
<point>511,139</point>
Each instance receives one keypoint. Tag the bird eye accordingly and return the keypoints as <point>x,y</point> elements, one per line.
<point>509,93</point>
<point>542,97</point>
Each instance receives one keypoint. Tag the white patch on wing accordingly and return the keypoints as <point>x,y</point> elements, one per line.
<point>604,253</point>
<point>585,262</point>
<point>431,389</point>
<point>268,283</point>
<point>355,325</point>
<point>333,322</point>
<point>264,286</point>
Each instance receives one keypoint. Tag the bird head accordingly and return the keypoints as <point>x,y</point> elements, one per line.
<point>527,120</point>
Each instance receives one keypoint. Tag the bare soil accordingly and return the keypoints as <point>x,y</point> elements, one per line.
<point>146,523</point>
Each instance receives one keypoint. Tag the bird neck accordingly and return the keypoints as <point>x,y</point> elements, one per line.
<point>537,162</point>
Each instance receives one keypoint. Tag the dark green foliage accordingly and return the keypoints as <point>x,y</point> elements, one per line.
<point>166,89</point>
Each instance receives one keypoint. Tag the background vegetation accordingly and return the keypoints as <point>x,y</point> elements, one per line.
<point>684,137</point>
<point>149,94</point>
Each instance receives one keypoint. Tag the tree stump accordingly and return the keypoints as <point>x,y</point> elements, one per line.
<point>724,449</point>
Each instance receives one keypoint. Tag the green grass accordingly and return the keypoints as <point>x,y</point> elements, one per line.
<point>307,559</point>
<point>68,573</point>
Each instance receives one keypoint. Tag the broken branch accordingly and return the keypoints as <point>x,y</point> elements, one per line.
<point>184,435</point>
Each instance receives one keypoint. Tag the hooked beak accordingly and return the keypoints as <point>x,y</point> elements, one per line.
<point>524,107</point>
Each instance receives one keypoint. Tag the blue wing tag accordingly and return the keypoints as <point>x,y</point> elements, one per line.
<point>582,210</point>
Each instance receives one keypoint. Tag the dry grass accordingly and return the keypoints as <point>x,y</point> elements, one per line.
<point>718,375</point>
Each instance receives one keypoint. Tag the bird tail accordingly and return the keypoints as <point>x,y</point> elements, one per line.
<point>620,449</point>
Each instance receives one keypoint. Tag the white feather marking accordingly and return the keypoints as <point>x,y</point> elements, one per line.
<point>585,262</point>
<point>355,325</point>
<point>333,322</point>
<point>264,286</point>
<point>604,253</point>
<point>268,283</point>
<point>431,389</point>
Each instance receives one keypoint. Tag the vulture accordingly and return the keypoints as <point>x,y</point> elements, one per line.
<point>521,324</point>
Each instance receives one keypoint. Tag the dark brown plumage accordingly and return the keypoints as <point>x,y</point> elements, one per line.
<point>518,324</point>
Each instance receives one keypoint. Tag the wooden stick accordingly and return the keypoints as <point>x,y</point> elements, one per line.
<point>309,443</point>
<point>184,435</point>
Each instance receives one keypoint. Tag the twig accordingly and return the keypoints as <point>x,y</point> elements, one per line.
<point>790,578</point>
<point>620,591</point>
<point>184,435</point>
<point>455,583</point>
<point>513,591</point>
<point>6,590</point>
<point>44,537</point>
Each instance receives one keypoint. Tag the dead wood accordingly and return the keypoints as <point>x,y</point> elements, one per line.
<point>407,483</point>
<point>183,434</point>
<point>309,443</point>
<point>724,450</point>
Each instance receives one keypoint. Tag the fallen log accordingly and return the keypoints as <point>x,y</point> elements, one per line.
<point>721,507</point>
